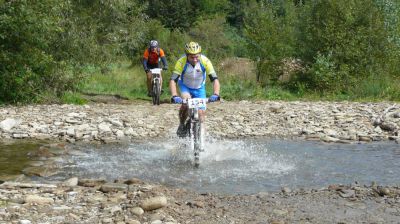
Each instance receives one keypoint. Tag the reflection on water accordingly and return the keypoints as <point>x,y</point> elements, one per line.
<point>242,166</point>
<point>14,156</point>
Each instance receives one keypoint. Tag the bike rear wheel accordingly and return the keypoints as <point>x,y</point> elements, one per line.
<point>156,92</point>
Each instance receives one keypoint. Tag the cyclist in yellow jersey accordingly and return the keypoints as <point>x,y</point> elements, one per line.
<point>190,74</point>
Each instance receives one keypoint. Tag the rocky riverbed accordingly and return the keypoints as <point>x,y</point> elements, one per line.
<point>135,201</point>
<point>327,121</point>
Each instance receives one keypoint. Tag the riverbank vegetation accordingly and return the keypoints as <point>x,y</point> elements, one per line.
<point>58,50</point>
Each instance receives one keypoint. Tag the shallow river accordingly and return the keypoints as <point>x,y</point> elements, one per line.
<point>238,166</point>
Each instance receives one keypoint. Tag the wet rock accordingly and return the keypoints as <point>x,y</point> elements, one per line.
<point>43,151</point>
<point>383,191</point>
<point>329,139</point>
<point>154,203</point>
<point>40,171</point>
<point>91,182</point>
<point>113,187</point>
<point>72,182</point>
<point>133,181</point>
<point>364,138</point>
<point>286,190</point>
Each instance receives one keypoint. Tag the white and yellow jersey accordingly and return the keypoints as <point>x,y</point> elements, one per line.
<point>193,77</point>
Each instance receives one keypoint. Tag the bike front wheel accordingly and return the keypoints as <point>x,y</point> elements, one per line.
<point>156,92</point>
<point>197,134</point>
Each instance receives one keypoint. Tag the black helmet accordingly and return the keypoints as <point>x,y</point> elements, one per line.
<point>153,44</point>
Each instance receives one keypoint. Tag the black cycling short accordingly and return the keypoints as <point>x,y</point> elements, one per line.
<point>151,66</point>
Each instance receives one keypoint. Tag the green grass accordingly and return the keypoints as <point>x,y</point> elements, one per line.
<point>121,79</point>
<point>73,98</point>
<point>129,81</point>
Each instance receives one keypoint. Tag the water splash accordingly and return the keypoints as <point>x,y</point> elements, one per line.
<point>240,166</point>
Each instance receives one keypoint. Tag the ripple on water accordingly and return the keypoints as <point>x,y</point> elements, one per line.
<point>242,166</point>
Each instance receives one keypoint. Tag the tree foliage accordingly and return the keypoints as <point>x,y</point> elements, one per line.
<point>349,36</point>
<point>45,43</point>
<point>269,29</point>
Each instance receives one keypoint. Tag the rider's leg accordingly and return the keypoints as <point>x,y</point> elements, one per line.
<point>149,89</point>
<point>161,83</point>
<point>183,114</point>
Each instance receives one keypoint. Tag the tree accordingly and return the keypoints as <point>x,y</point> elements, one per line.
<point>174,14</point>
<point>343,41</point>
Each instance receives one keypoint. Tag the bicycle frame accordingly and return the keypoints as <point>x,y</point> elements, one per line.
<point>196,132</point>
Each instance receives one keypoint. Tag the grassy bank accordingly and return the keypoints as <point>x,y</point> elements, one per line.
<point>238,82</point>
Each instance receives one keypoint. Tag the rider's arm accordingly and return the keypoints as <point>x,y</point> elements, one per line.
<point>172,83</point>
<point>163,59</point>
<point>216,87</point>
<point>145,59</point>
<point>211,74</point>
<point>172,87</point>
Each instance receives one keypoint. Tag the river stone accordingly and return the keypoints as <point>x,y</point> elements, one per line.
<point>71,182</point>
<point>386,126</point>
<point>137,211</point>
<point>34,199</point>
<point>329,139</point>
<point>91,182</point>
<point>39,171</point>
<point>20,135</point>
<point>347,193</point>
<point>24,221</point>
<point>104,128</point>
<point>133,181</point>
<point>9,124</point>
<point>154,203</point>
<point>112,187</point>
<point>364,138</point>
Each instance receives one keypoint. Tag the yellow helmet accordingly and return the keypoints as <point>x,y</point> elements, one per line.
<point>192,48</point>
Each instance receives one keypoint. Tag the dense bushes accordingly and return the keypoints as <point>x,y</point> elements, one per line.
<point>46,46</point>
<point>340,42</point>
<point>27,66</point>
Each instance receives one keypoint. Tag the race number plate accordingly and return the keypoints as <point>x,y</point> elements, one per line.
<point>156,70</point>
<point>197,103</point>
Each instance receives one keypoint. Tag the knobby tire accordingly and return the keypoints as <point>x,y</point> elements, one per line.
<point>197,142</point>
<point>156,92</point>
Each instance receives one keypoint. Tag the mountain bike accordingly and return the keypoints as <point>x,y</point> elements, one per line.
<point>194,127</point>
<point>156,85</point>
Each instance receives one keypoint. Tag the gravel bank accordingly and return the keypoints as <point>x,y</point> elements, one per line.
<point>326,121</point>
<point>135,202</point>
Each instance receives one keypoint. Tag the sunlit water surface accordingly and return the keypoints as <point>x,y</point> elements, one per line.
<point>241,166</point>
